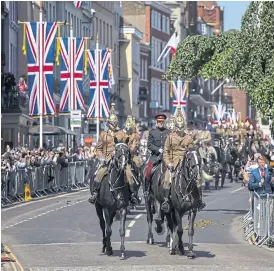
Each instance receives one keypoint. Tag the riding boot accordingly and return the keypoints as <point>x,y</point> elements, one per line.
<point>133,199</point>
<point>198,195</point>
<point>94,194</point>
<point>165,205</point>
<point>146,190</point>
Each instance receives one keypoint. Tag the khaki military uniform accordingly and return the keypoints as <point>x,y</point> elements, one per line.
<point>220,131</point>
<point>134,145</point>
<point>105,148</point>
<point>174,150</point>
<point>243,134</point>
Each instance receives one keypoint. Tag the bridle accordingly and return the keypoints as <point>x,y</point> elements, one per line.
<point>115,162</point>
<point>191,175</point>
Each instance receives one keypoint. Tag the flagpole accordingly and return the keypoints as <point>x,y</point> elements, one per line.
<point>41,73</point>
<point>97,87</point>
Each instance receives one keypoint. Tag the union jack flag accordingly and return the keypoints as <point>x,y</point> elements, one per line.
<point>40,56</point>
<point>218,113</point>
<point>72,50</point>
<point>98,63</point>
<point>179,89</point>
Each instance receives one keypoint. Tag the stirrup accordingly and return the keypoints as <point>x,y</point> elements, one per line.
<point>133,199</point>
<point>146,193</point>
<point>93,198</point>
<point>201,205</point>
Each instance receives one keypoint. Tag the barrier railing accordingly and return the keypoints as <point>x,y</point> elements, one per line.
<point>258,223</point>
<point>43,180</point>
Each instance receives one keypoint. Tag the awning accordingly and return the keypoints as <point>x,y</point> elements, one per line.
<point>50,130</point>
<point>199,100</point>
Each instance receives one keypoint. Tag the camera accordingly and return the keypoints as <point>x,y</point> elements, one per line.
<point>92,12</point>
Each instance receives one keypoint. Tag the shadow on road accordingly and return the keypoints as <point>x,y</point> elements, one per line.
<point>129,254</point>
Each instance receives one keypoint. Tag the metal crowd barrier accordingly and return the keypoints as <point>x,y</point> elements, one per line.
<point>43,180</point>
<point>258,223</point>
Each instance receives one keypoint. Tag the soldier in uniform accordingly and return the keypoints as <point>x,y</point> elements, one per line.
<point>156,142</point>
<point>170,123</point>
<point>243,133</point>
<point>176,146</point>
<point>104,150</point>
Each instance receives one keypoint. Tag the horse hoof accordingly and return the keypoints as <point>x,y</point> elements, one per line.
<point>150,241</point>
<point>109,252</point>
<point>172,252</point>
<point>180,252</point>
<point>123,256</point>
<point>104,250</point>
<point>160,230</point>
<point>191,255</point>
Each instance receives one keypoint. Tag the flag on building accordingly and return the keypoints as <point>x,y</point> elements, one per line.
<point>110,71</point>
<point>77,4</point>
<point>99,75</point>
<point>180,91</point>
<point>218,113</point>
<point>40,58</point>
<point>71,90</point>
<point>233,117</point>
<point>171,46</point>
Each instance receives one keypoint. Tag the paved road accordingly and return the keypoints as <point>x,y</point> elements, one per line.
<point>63,233</point>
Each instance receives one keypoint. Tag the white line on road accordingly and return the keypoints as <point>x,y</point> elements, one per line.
<point>239,189</point>
<point>42,214</point>
<point>41,200</point>
<point>130,225</point>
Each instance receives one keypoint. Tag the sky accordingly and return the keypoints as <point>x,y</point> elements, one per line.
<point>233,12</point>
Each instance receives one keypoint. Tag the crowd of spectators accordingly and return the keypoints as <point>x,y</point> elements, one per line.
<point>23,157</point>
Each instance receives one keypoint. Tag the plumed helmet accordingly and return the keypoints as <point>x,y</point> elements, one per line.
<point>179,119</point>
<point>113,120</point>
<point>171,123</point>
<point>128,124</point>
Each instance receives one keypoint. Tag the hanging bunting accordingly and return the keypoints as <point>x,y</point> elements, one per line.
<point>179,89</point>
<point>72,50</point>
<point>40,58</point>
<point>218,113</point>
<point>98,63</point>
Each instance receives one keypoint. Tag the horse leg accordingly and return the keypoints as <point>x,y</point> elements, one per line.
<point>150,239</point>
<point>109,220</point>
<point>174,236</point>
<point>160,230</point>
<point>99,211</point>
<point>123,213</point>
<point>170,229</point>
<point>180,246</point>
<point>192,217</point>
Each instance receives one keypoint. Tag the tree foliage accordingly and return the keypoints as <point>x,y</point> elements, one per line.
<point>246,57</point>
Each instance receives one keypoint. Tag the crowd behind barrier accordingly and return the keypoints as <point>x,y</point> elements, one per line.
<point>44,171</point>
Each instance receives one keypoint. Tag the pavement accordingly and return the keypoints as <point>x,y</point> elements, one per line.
<point>63,233</point>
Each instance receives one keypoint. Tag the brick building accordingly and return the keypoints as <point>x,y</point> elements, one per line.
<point>212,14</point>
<point>153,20</point>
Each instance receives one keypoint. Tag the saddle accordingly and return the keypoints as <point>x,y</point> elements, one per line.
<point>154,167</point>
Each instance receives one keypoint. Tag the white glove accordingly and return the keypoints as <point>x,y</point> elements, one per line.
<point>102,161</point>
<point>161,150</point>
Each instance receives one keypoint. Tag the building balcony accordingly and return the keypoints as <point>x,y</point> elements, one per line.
<point>14,102</point>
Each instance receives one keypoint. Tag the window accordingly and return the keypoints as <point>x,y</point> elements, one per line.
<point>164,23</point>
<point>107,41</point>
<point>167,25</point>
<point>103,34</point>
<point>53,13</point>
<point>145,77</point>
<point>164,95</point>
<point>153,19</point>
<point>152,51</point>
<point>111,36</point>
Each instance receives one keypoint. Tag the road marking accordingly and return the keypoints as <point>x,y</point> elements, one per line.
<point>138,216</point>
<point>127,233</point>
<point>241,188</point>
<point>130,225</point>
<point>14,257</point>
<point>42,214</point>
<point>41,200</point>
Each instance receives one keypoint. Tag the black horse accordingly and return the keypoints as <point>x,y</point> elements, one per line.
<point>114,195</point>
<point>153,203</point>
<point>184,197</point>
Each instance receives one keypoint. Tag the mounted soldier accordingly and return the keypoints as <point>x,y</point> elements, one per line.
<point>176,146</point>
<point>104,151</point>
<point>156,143</point>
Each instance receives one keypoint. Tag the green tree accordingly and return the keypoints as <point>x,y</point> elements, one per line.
<point>246,57</point>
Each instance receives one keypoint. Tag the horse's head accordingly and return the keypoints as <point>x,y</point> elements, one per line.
<point>121,153</point>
